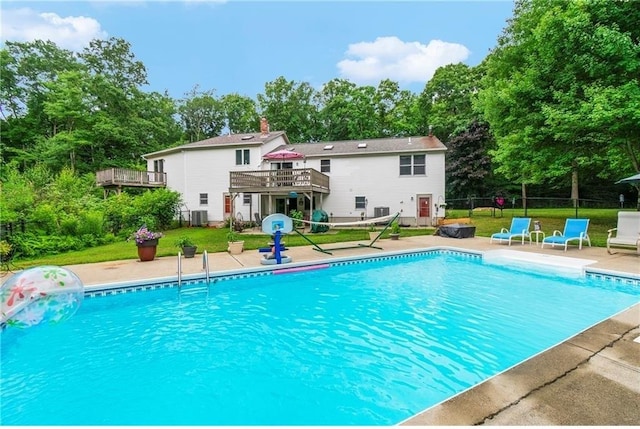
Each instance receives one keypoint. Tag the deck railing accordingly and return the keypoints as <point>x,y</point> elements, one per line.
<point>268,180</point>
<point>129,177</point>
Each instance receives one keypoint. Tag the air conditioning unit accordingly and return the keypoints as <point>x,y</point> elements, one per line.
<point>199,218</point>
<point>380,211</point>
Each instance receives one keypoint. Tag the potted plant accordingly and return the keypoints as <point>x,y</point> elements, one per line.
<point>372,232</point>
<point>395,230</point>
<point>236,246</point>
<point>147,242</point>
<point>187,245</point>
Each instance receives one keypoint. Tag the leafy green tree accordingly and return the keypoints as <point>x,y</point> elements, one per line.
<point>395,110</point>
<point>113,60</point>
<point>25,70</point>
<point>241,113</point>
<point>560,91</point>
<point>201,114</point>
<point>447,100</point>
<point>289,106</point>
<point>335,109</point>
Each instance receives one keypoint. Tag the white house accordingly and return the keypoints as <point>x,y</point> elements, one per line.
<point>350,180</point>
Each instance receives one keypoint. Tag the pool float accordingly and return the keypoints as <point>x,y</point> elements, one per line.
<point>40,294</point>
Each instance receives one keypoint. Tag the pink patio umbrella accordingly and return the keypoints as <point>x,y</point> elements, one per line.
<point>281,155</point>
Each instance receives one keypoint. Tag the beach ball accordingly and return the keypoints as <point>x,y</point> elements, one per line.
<point>40,294</point>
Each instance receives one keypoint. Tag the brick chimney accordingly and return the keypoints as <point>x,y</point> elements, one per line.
<point>264,126</point>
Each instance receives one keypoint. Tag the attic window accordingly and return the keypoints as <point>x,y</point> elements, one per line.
<point>247,137</point>
<point>328,147</point>
<point>362,145</point>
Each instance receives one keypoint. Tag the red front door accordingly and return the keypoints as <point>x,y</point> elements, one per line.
<point>424,211</point>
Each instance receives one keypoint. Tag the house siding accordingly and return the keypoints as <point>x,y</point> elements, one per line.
<point>378,179</point>
<point>206,170</point>
<point>373,172</point>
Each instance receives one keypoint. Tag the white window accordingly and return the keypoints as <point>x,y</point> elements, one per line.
<point>242,157</point>
<point>325,166</point>
<point>361,202</point>
<point>204,199</point>
<point>413,165</point>
<point>246,199</point>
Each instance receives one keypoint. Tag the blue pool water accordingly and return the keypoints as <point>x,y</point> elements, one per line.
<point>367,343</point>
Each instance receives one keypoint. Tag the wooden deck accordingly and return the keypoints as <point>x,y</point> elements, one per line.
<point>119,177</point>
<point>279,181</point>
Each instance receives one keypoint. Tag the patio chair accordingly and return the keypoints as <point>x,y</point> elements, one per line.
<point>627,232</point>
<point>574,229</point>
<point>519,228</point>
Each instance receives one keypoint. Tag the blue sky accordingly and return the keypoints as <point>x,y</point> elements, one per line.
<point>238,46</point>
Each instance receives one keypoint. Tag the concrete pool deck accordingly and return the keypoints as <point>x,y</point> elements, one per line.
<point>590,379</point>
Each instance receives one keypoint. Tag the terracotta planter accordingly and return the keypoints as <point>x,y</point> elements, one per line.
<point>235,247</point>
<point>147,250</point>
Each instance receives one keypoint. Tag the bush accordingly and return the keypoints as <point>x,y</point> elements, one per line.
<point>91,223</point>
<point>162,205</point>
<point>297,216</point>
<point>44,219</point>
<point>69,225</point>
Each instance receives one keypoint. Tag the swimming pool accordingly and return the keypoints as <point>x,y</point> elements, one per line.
<point>363,342</point>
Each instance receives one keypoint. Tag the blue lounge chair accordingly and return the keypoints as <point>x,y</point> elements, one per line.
<point>574,229</point>
<point>519,228</point>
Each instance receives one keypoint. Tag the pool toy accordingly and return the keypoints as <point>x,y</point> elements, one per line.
<point>276,224</point>
<point>269,249</point>
<point>40,294</point>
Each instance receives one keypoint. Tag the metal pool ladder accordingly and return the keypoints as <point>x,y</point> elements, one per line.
<point>194,289</point>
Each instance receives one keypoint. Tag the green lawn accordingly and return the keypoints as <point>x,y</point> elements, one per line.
<point>214,239</point>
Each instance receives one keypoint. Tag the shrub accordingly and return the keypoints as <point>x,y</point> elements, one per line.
<point>297,216</point>
<point>44,219</point>
<point>91,223</point>
<point>162,205</point>
<point>69,225</point>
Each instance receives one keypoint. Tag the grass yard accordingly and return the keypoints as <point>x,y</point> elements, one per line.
<point>214,239</point>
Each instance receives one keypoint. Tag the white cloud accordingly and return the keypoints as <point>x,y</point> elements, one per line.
<point>71,32</point>
<point>403,62</point>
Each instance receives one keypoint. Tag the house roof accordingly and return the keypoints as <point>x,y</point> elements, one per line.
<point>368,147</point>
<point>228,140</point>
<point>319,149</point>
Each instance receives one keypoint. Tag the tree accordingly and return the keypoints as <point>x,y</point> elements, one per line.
<point>240,112</point>
<point>201,114</point>
<point>289,107</point>
<point>468,168</point>
<point>25,69</point>
<point>447,99</point>
<point>113,60</point>
<point>560,90</point>
<point>395,110</point>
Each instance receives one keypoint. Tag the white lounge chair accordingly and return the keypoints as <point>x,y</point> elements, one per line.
<point>519,228</point>
<point>627,232</point>
<point>574,229</point>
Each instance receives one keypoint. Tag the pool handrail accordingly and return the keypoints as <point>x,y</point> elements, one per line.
<point>179,270</point>
<point>205,265</point>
